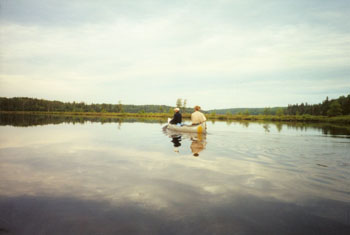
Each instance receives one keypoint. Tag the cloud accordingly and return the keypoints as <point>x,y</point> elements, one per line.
<point>172,49</point>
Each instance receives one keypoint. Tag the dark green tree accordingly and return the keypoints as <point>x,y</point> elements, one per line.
<point>280,112</point>
<point>184,106</point>
<point>179,103</point>
<point>120,107</point>
<point>334,109</point>
<point>267,111</point>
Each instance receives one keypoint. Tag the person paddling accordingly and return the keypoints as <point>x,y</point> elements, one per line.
<point>177,119</point>
<point>197,117</point>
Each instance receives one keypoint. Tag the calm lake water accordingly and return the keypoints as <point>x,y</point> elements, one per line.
<point>109,176</point>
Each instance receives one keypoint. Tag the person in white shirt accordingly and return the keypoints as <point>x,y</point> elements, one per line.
<point>197,117</point>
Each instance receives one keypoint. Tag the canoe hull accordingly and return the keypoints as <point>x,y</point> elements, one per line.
<point>201,128</point>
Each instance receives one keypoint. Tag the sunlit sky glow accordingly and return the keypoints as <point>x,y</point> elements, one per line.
<point>218,54</point>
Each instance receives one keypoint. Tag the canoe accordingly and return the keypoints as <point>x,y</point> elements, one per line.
<point>200,128</point>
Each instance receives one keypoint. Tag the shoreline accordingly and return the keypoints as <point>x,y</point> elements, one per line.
<point>210,117</point>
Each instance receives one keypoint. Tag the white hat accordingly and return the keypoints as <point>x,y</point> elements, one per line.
<point>176,109</point>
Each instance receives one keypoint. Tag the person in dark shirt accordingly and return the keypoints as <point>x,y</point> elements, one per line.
<point>177,119</point>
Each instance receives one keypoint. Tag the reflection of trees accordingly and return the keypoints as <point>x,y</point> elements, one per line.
<point>244,123</point>
<point>119,124</point>
<point>278,126</point>
<point>266,127</point>
<point>334,130</point>
<point>229,122</point>
<point>34,119</point>
<point>327,129</point>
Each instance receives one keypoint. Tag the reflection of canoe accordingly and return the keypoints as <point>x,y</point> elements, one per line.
<point>184,135</point>
<point>178,134</point>
<point>200,128</point>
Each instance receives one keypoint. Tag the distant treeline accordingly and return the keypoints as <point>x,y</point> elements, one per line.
<point>247,111</point>
<point>334,107</point>
<point>32,104</point>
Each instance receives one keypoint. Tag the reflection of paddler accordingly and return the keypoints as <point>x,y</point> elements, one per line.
<point>198,144</point>
<point>177,142</point>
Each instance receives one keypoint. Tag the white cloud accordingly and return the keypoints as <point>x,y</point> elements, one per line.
<point>129,58</point>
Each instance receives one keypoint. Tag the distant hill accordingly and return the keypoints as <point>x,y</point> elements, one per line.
<point>251,111</point>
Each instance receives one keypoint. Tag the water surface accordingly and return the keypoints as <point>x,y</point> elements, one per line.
<point>112,176</point>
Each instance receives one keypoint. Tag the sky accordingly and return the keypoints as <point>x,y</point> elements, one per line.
<point>216,54</point>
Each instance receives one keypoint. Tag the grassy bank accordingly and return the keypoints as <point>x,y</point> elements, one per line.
<point>223,117</point>
<point>284,118</point>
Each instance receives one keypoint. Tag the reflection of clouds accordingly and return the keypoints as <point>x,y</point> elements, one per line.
<point>25,137</point>
<point>86,167</point>
<point>243,214</point>
<point>151,178</point>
